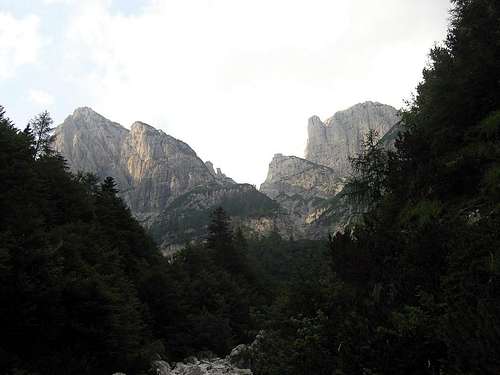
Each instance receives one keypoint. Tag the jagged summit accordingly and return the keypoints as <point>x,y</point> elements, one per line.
<point>84,111</point>
<point>333,141</point>
<point>305,187</point>
<point>314,121</point>
<point>151,168</point>
<point>219,176</point>
<point>86,117</point>
<point>142,126</point>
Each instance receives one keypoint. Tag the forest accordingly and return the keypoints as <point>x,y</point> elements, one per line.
<point>412,288</point>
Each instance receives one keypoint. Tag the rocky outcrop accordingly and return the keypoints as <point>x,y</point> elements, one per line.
<point>332,142</point>
<point>309,190</point>
<point>218,175</point>
<point>302,188</point>
<point>150,167</point>
<point>91,143</point>
<point>202,366</point>
<point>291,175</point>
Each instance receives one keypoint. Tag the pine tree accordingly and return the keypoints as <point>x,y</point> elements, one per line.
<point>366,186</point>
<point>40,129</point>
<point>109,186</point>
<point>220,237</point>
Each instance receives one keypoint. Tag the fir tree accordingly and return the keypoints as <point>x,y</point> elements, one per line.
<point>40,128</point>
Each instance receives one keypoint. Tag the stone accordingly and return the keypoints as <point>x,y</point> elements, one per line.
<point>206,355</point>
<point>191,360</point>
<point>161,368</point>
<point>240,356</point>
<point>302,188</point>
<point>218,175</point>
<point>212,366</point>
<point>332,142</point>
<point>291,175</point>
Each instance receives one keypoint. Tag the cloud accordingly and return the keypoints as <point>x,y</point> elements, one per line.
<point>20,43</point>
<point>52,2</point>
<point>237,80</point>
<point>41,98</point>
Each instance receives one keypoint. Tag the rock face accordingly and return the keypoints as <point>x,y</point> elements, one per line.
<point>166,185</point>
<point>302,189</point>
<point>151,168</point>
<point>310,190</point>
<point>219,176</point>
<point>333,141</point>
<point>90,142</point>
<point>195,366</point>
<point>290,175</point>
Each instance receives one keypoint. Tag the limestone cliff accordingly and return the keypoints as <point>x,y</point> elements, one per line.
<point>151,168</point>
<point>302,189</point>
<point>309,190</point>
<point>339,137</point>
<point>291,175</point>
<point>92,143</point>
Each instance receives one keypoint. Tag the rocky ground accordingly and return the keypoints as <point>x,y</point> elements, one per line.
<point>194,366</point>
<point>236,363</point>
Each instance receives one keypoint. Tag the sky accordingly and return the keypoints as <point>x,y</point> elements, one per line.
<point>235,79</point>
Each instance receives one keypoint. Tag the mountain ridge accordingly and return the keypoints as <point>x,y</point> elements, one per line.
<point>154,172</point>
<point>308,188</point>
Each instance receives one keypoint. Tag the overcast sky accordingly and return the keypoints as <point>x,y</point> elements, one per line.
<point>235,79</point>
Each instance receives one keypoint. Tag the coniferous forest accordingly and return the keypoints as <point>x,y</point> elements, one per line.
<point>412,288</point>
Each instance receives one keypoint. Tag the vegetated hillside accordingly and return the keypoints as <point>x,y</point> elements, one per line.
<point>415,288</point>
<point>71,257</point>
<point>186,218</point>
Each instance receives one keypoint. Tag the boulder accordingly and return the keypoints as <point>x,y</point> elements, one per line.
<point>161,368</point>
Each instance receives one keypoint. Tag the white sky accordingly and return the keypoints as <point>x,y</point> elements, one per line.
<point>235,79</point>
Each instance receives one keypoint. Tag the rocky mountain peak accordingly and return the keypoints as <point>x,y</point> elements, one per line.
<point>85,111</point>
<point>151,168</point>
<point>139,126</point>
<point>308,189</point>
<point>218,175</point>
<point>314,122</point>
<point>86,116</point>
<point>339,137</point>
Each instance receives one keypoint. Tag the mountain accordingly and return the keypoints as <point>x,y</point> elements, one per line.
<point>159,177</point>
<point>310,190</point>
<point>171,191</point>
<point>302,189</point>
<point>291,175</point>
<point>339,137</point>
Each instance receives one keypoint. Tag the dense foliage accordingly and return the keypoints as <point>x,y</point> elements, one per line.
<point>415,289</point>
<point>83,290</point>
<point>188,215</point>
